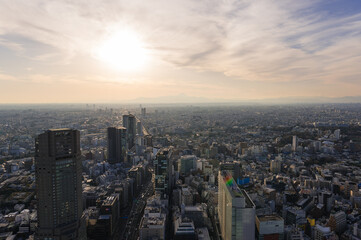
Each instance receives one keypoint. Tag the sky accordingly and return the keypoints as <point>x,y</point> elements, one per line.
<point>91,51</point>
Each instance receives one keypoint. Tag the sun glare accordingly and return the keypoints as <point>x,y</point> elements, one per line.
<point>123,51</point>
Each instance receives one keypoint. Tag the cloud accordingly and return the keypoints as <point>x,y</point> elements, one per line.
<point>11,45</point>
<point>7,77</point>
<point>262,41</point>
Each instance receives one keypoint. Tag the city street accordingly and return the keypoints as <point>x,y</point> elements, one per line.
<point>135,215</point>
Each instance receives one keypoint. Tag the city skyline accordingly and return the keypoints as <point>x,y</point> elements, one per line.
<point>62,52</point>
<point>284,172</point>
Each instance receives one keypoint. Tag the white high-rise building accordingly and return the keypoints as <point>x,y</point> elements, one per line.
<point>294,143</point>
<point>236,210</point>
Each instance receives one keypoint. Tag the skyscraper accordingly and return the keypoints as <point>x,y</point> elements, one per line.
<point>236,210</point>
<point>162,172</point>
<point>144,111</point>
<point>117,144</point>
<point>130,123</point>
<point>186,164</point>
<point>139,140</point>
<point>294,143</point>
<point>58,185</point>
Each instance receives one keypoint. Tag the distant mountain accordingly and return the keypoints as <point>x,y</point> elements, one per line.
<point>293,100</point>
<point>183,98</point>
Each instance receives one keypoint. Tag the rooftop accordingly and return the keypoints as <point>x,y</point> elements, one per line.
<point>109,200</point>
<point>266,218</point>
<point>231,185</point>
<point>60,129</point>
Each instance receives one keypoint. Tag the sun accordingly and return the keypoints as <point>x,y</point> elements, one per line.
<point>123,51</point>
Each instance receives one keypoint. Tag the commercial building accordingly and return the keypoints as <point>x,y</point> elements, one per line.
<point>337,222</point>
<point>162,172</point>
<point>322,232</point>
<point>234,168</point>
<point>184,229</point>
<point>186,164</point>
<point>111,209</point>
<point>275,166</point>
<point>153,223</point>
<point>236,210</point>
<point>130,123</point>
<point>117,144</point>
<point>269,227</point>
<point>58,185</point>
<point>294,143</point>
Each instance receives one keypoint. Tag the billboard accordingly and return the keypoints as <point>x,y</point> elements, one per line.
<point>243,181</point>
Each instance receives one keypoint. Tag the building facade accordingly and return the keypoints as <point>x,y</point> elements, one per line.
<point>58,173</point>
<point>117,144</point>
<point>186,164</point>
<point>236,211</point>
<point>162,172</point>
<point>130,123</point>
<point>269,227</point>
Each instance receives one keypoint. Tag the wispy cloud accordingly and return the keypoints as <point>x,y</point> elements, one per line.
<point>11,45</point>
<point>259,41</point>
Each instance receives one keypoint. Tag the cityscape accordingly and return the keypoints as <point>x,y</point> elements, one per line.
<point>180,120</point>
<point>181,172</point>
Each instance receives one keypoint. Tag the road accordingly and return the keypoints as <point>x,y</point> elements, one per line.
<point>132,227</point>
<point>130,217</point>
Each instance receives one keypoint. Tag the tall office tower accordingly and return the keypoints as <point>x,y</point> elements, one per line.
<point>58,185</point>
<point>186,164</point>
<point>144,111</point>
<point>117,144</point>
<point>236,210</point>
<point>294,143</point>
<point>162,172</point>
<point>140,134</point>
<point>130,123</point>
<point>140,140</point>
<point>140,129</point>
<point>110,211</point>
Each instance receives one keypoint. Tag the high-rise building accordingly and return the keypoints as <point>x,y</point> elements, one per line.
<point>275,166</point>
<point>117,144</point>
<point>130,123</point>
<point>294,143</point>
<point>337,222</point>
<point>162,172</point>
<point>110,210</point>
<point>144,111</point>
<point>326,198</point>
<point>186,164</point>
<point>236,210</point>
<point>140,140</point>
<point>58,173</point>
